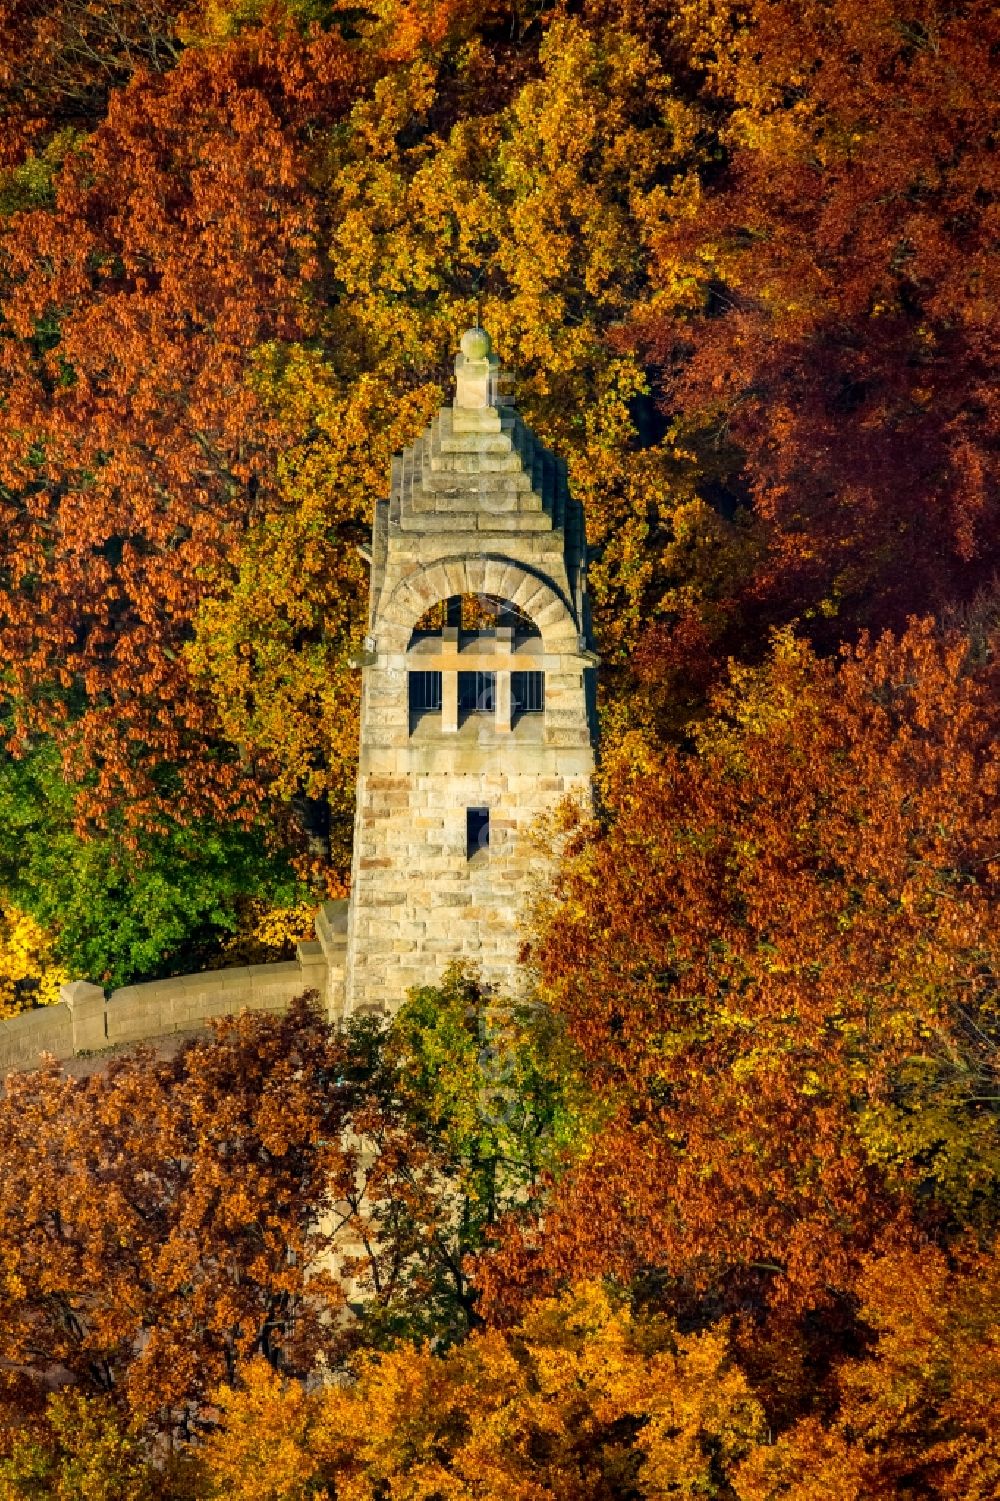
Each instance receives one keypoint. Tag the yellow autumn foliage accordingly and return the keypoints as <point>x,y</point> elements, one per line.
<point>29,973</point>
<point>538,215</point>
<point>580,1396</point>
<point>266,934</point>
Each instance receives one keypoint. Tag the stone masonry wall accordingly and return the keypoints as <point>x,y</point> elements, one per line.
<point>421,901</point>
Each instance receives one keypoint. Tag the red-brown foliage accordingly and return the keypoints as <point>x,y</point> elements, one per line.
<point>761,938</point>
<point>183,236</point>
<point>842,343</point>
<point>158,1221</point>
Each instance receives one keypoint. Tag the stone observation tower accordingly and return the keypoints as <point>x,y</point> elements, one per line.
<point>476,711</point>
<point>476,717</point>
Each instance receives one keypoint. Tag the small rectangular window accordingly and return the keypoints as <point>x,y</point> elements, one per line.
<point>476,692</point>
<point>425,692</point>
<point>527,692</point>
<point>477,830</point>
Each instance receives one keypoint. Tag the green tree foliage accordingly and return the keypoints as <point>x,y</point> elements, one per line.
<point>122,906</point>
<point>463,1104</point>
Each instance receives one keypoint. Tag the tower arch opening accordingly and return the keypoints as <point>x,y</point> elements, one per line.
<point>475,612</point>
<point>475,640</point>
<point>517,585</point>
<point>474,660</point>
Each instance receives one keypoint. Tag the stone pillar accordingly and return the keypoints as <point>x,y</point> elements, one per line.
<point>449,685</point>
<point>503,708</point>
<point>476,372</point>
<point>313,966</point>
<point>87,1006</point>
<point>331,933</point>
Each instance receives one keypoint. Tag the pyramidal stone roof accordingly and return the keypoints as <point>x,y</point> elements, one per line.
<point>478,467</point>
<point>479,484</point>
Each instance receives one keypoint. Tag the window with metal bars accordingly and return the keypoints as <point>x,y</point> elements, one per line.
<point>425,692</point>
<point>476,692</point>
<point>527,692</point>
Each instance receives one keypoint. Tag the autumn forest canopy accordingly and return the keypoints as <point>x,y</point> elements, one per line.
<point>716,1214</point>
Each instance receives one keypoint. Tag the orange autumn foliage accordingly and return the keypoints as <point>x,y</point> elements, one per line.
<point>918,1415</point>
<point>132,448</point>
<point>582,1401</point>
<point>588,1400</point>
<point>750,953</point>
<point>60,61</point>
<point>740,261</point>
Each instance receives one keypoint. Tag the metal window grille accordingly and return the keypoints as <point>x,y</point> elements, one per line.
<point>476,692</point>
<point>527,692</point>
<point>477,830</point>
<point>425,692</point>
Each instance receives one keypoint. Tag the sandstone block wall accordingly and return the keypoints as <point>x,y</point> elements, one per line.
<point>24,1038</point>
<point>422,901</point>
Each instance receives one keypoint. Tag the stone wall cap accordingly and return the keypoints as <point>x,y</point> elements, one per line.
<point>76,992</point>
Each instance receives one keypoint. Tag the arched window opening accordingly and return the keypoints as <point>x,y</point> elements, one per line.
<point>475,613</point>
<point>474,659</point>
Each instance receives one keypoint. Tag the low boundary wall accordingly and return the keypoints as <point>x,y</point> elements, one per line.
<point>86,1020</point>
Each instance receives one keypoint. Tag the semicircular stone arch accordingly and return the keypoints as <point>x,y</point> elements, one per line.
<point>500,577</point>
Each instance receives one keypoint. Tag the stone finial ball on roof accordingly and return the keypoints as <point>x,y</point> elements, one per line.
<point>476,344</point>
